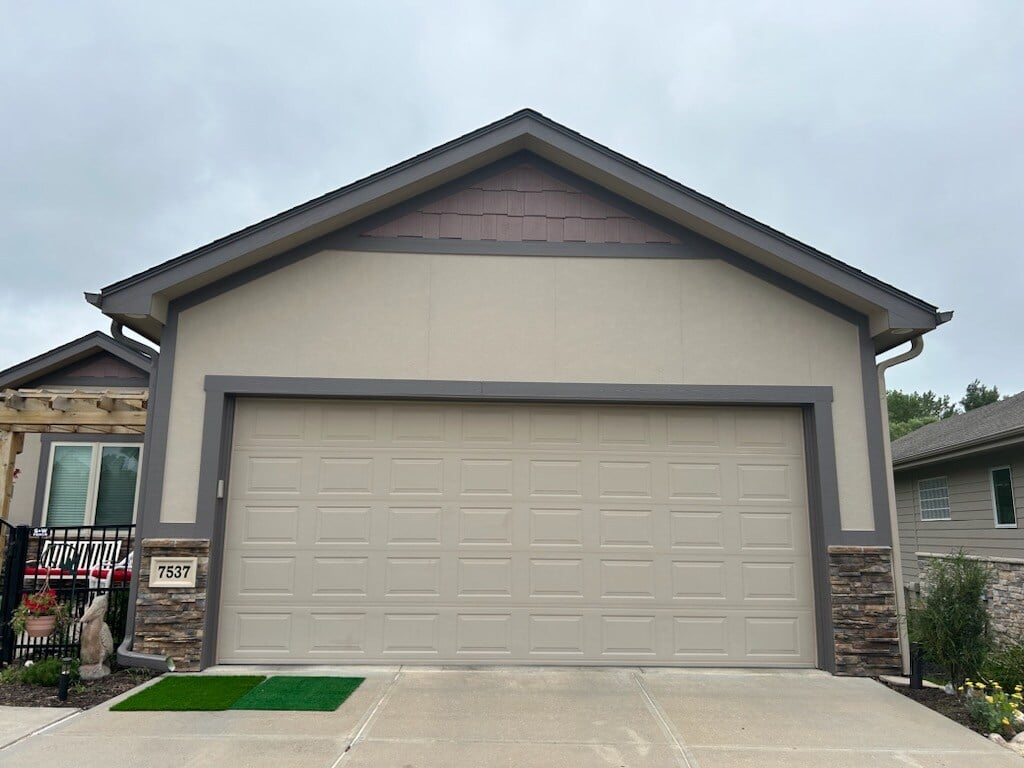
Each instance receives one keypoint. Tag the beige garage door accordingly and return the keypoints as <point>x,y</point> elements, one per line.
<point>423,532</point>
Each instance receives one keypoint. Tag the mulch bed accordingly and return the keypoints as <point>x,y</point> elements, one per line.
<point>80,695</point>
<point>943,703</point>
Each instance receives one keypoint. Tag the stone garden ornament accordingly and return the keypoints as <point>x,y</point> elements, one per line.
<point>97,642</point>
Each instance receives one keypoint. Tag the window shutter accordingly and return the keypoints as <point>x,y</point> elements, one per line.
<point>69,485</point>
<point>115,499</point>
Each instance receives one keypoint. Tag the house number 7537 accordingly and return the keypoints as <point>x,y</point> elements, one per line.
<point>172,572</point>
<point>175,572</point>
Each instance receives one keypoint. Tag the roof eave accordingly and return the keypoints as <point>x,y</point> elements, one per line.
<point>1005,439</point>
<point>69,353</point>
<point>132,300</point>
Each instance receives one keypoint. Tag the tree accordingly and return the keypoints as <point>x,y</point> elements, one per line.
<point>908,412</point>
<point>900,428</point>
<point>951,620</point>
<point>978,395</point>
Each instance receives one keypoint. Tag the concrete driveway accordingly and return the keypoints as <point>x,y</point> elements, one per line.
<point>537,717</point>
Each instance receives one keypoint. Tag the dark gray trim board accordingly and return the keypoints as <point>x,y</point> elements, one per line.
<point>72,352</point>
<point>46,441</point>
<point>222,393</point>
<point>131,300</point>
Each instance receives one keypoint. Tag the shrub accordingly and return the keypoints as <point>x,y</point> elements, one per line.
<point>45,672</point>
<point>1005,666</point>
<point>991,707</point>
<point>951,621</point>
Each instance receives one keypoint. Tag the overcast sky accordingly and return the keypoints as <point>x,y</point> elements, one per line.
<point>889,135</point>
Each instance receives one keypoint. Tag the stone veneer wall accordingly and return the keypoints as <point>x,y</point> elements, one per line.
<point>864,613</point>
<point>1005,596</point>
<point>169,622</point>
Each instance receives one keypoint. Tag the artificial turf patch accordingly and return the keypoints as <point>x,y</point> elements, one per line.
<point>299,694</point>
<point>201,693</point>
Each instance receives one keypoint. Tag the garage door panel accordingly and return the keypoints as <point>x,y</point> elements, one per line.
<point>531,533</point>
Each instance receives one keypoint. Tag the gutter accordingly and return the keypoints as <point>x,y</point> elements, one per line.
<point>126,657</point>
<point>916,348</point>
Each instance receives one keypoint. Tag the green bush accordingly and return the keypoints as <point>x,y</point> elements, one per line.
<point>991,707</point>
<point>951,621</point>
<point>1005,666</point>
<point>45,672</point>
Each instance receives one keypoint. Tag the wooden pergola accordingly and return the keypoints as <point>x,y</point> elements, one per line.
<point>110,412</point>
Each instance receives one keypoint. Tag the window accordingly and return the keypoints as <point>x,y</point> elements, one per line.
<point>92,484</point>
<point>1002,497</point>
<point>933,496</point>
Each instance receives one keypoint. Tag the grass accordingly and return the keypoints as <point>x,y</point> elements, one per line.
<point>203,693</point>
<point>216,693</point>
<point>300,694</point>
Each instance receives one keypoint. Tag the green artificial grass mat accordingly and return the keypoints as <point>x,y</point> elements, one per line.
<point>300,694</point>
<point>201,693</point>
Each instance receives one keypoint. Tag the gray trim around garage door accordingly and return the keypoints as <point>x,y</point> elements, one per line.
<point>222,392</point>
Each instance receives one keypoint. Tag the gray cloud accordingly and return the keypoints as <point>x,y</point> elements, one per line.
<point>886,136</point>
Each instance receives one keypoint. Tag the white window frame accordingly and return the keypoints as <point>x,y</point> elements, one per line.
<point>992,489</point>
<point>94,479</point>
<point>920,506</point>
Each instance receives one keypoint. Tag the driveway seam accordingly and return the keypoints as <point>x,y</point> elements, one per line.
<point>368,720</point>
<point>688,760</point>
<point>48,726</point>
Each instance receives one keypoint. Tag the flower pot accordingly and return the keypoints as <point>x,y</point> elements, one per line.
<point>40,626</point>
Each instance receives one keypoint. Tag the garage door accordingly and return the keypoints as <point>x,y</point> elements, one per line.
<point>424,532</point>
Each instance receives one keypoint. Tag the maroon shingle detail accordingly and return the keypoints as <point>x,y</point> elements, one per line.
<point>535,228</point>
<point>451,226</point>
<point>522,203</point>
<point>495,201</point>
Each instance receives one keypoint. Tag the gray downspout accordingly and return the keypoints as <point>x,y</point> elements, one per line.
<point>126,657</point>
<point>916,348</point>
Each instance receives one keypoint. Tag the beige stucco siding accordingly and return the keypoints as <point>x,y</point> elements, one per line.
<point>24,498</point>
<point>972,515</point>
<point>415,316</point>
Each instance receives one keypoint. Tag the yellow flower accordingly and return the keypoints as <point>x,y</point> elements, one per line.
<point>960,689</point>
<point>1018,688</point>
<point>1017,696</point>
<point>988,699</point>
<point>997,686</point>
<point>1005,721</point>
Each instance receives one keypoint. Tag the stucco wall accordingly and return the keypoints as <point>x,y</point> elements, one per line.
<point>24,498</point>
<point>416,316</point>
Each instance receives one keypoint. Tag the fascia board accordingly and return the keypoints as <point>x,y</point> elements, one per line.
<point>1007,439</point>
<point>553,142</point>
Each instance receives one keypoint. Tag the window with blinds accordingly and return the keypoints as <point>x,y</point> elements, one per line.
<point>933,498</point>
<point>92,484</point>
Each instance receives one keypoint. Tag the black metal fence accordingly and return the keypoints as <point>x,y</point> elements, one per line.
<point>79,564</point>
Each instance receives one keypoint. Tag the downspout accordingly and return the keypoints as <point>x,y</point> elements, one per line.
<point>126,657</point>
<point>916,348</point>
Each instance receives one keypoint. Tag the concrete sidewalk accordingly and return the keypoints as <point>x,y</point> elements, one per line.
<point>523,717</point>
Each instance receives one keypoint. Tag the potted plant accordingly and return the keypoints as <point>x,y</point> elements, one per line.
<point>40,613</point>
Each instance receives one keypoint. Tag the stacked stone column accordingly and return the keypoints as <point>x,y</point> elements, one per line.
<point>169,622</point>
<point>864,614</point>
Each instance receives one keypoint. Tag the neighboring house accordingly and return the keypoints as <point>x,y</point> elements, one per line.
<point>75,476</point>
<point>518,399</point>
<point>960,485</point>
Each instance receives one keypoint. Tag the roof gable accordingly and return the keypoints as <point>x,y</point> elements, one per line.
<point>141,302</point>
<point>94,360</point>
<point>518,204</point>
